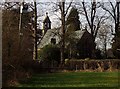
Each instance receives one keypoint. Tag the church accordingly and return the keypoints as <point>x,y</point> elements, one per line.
<point>79,43</point>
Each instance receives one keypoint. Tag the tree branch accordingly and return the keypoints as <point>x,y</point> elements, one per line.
<point>108,12</point>
<point>83,3</point>
<point>114,10</point>
<point>68,7</point>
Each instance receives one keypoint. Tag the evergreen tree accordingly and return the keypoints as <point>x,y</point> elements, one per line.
<point>73,22</point>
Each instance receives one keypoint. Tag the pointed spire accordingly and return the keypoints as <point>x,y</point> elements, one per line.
<point>47,20</point>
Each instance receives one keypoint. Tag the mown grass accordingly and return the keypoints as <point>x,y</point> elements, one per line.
<point>73,79</point>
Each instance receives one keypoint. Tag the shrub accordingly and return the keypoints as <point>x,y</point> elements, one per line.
<point>50,52</point>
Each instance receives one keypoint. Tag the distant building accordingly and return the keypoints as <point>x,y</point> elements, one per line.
<point>83,44</point>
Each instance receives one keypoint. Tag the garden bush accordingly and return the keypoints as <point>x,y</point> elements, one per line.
<point>50,53</point>
<point>94,65</point>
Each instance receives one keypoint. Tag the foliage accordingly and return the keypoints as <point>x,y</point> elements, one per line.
<point>116,44</point>
<point>116,47</point>
<point>50,52</point>
<point>15,53</point>
<point>73,22</point>
<point>93,65</point>
<point>70,43</point>
<point>98,54</point>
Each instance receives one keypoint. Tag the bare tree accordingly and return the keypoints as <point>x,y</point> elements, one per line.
<point>104,36</point>
<point>93,19</point>
<point>63,28</point>
<point>63,7</point>
<point>37,37</point>
<point>114,12</point>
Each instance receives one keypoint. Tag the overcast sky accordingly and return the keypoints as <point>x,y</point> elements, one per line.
<point>46,7</point>
<point>57,0</point>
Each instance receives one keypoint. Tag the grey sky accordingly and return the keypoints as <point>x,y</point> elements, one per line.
<point>42,9</point>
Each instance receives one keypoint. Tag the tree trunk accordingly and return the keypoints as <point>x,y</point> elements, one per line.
<point>35,11</point>
<point>63,32</point>
<point>118,20</point>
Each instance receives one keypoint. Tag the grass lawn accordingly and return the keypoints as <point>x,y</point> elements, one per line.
<point>73,79</point>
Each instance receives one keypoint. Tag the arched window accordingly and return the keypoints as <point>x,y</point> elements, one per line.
<point>53,41</point>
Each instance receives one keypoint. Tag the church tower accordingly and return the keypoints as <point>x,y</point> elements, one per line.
<point>46,24</point>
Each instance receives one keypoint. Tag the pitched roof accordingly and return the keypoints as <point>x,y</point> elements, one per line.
<point>51,33</point>
<point>47,20</point>
<point>54,33</point>
<point>79,34</point>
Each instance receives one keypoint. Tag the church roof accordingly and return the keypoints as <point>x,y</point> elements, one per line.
<point>79,34</point>
<point>51,33</point>
<point>47,20</point>
<point>54,33</point>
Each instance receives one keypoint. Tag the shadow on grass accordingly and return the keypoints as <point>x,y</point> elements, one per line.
<point>73,79</point>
